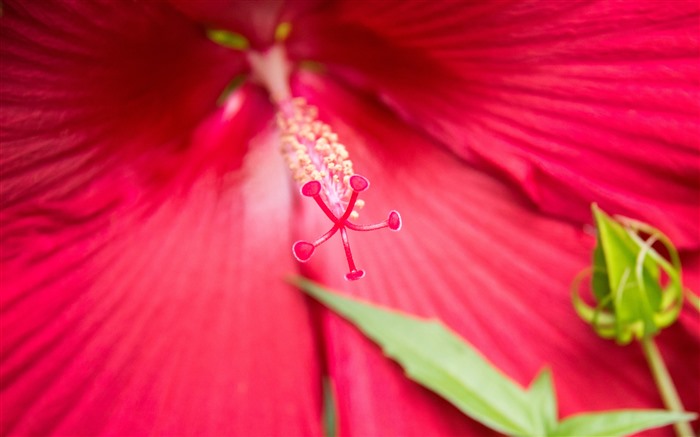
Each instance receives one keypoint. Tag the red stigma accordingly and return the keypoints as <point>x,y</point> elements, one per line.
<point>303,249</point>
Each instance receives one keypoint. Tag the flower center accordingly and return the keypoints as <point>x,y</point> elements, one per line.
<point>317,161</point>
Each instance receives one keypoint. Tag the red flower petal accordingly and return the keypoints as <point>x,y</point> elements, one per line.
<point>133,303</point>
<point>173,322</point>
<point>596,101</point>
<point>480,258</point>
<point>86,85</point>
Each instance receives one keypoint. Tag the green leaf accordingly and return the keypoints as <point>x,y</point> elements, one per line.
<point>544,401</point>
<point>330,412</point>
<point>617,423</point>
<point>440,360</point>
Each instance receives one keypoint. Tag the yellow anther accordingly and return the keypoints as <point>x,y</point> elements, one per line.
<point>312,150</point>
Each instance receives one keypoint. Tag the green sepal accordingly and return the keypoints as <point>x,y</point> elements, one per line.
<point>232,86</point>
<point>617,423</point>
<point>282,31</point>
<point>228,39</point>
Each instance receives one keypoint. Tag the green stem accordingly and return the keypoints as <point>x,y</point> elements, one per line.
<point>693,299</point>
<point>663,380</point>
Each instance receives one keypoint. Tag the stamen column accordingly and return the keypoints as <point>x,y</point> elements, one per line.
<point>317,161</point>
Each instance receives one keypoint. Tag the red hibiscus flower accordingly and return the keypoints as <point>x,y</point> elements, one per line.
<point>146,231</point>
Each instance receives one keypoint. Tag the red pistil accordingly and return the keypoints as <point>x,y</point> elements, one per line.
<point>303,249</point>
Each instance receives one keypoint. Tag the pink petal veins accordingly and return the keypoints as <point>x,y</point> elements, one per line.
<point>573,104</point>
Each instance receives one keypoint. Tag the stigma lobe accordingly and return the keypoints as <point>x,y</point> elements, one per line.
<point>303,249</point>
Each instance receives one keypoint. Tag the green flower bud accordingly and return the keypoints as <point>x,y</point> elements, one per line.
<point>637,291</point>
